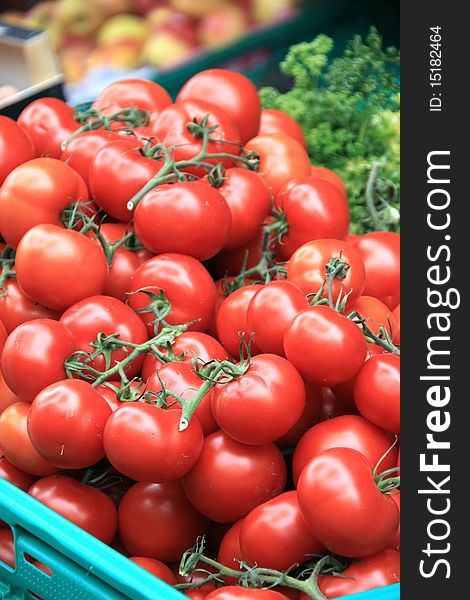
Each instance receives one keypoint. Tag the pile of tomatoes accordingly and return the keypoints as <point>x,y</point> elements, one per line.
<point>198,362</point>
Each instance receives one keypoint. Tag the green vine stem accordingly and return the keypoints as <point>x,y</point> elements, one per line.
<point>382,339</point>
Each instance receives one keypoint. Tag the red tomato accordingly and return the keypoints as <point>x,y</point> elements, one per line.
<point>232,592</point>
<point>7,547</point>
<point>231,262</point>
<point>269,399</point>
<point>233,92</point>
<point>85,506</point>
<point>229,478</point>
<point>276,121</point>
<point>35,193</point>
<point>103,314</point>
<point>377,391</point>
<point>346,431</point>
<point>66,423</point>
<point>380,251</point>
<point>156,520</point>
<point>155,567</point>
<point>396,321</point>
<point>15,476</point>
<point>395,543</point>
<point>49,122</point>
<point>189,218</point>
<point>325,346</point>
<point>230,553</point>
<point>307,268</point>
<point>34,354</point>
<point>137,433</point>
<point>282,159</point>
<point>376,312</point>
<point>3,336</point>
<point>342,505</point>
<point>186,284</point>
<point>312,414</point>
<point>16,147</point>
<point>271,311</point>
<point>58,267</point>
<point>335,405</point>
<point>274,535</point>
<point>328,175</point>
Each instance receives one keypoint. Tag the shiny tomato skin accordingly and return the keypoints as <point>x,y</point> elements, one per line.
<point>274,535</point>
<point>230,552</point>
<point>376,312</point>
<point>190,218</point>
<point>49,122</point>
<point>233,92</point>
<point>34,355</point>
<point>311,415</point>
<point>270,312</point>
<point>282,158</point>
<point>325,346</point>
<point>261,405</point>
<point>3,336</point>
<point>157,521</point>
<point>186,284</point>
<point>66,423</point>
<point>395,542</point>
<point>229,478</point>
<point>86,506</point>
<point>16,476</point>
<point>346,431</point>
<point>277,121</point>
<point>58,267</point>
<point>142,442</point>
<point>155,567</point>
<point>16,147</point>
<point>377,391</point>
<point>396,321</point>
<point>328,175</point>
<point>240,593</point>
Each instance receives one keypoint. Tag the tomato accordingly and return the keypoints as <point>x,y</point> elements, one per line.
<point>376,313</point>
<point>230,552</point>
<point>262,404</point>
<point>314,209</point>
<point>346,431</point>
<point>229,478</point>
<point>249,203</point>
<point>3,337</point>
<point>58,267</point>
<point>380,251</point>
<point>155,567</point>
<point>277,121</point>
<point>16,444</point>
<point>143,442</point>
<point>307,268</point>
<point>312,414</point>
<point>186,284</point>
<point>16,147</point>
<point>7,547</point>
<point>232,324</point>
<point>189,218</point>
<point>233,92</point>
<point>103,314</point>
<point>343,506</point>
<point>328,175</point>
<point>377,391</point>
<point>325,346</point>
<point>117,172</point>
<point>396,321</point>
<point>232,592</point>
<point>156,520</point>
<point>66,423</point>
<point>49,122</point>
<point>231,262</point>
<point>85,506</point>
<point>37,192</point>
<point>110,395</point>
<point>34,354</point>
<point>336,405</point>
<point>196,577</point>
<point>282,158</point>
<point>271,311</point>
<point>274,535</point>
<point>137,93</point>
<point>15,476</point>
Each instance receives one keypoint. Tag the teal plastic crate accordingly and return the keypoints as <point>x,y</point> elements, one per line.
<point>83,568</point>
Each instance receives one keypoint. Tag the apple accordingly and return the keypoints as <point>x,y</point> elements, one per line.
<point>223,25</point>
<point>123,27</point>
<point>165,48</point>
<point>167,19</point>
<point>266,11</point>
<point>110,8</point>
<point>196,8</point>
<point>10,17</point>
<point>143,7</point>
<point>124,54</point>
<point>79,17</point>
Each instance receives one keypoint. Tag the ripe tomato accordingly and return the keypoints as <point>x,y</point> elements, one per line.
<point>85,506</point>
<point>276,121</point>
<point>189,218</point>
<point>271,311</point>
<point>396,321</point>
<point>312,414</point>
<point>235,592</point>
<point>342,505</point>
<point>15,476</point>
<point>7,547</point>
<point>230,552</point>
<point>274,535</point>
<point>233,92</point>
<point>395,543</point>
<point>380,251</point>
<point>34,354</point>
<point>58,267</point>
<point>155,567</point>
<point>307,268</point>
<point>37,192</point>
<point>282,158</point>
<point>186,284</point>
<point>328,175</point>
<point>231,262</point>
<point>156,520</point>
<point>3,337</point>
<point>376,312</point>
<point>16,147</point>
<point>49,122</point>
<point>7,397</point>
<point>377,391</point>
<point>229,478</point>
<point>261,405</point>
<point>325,346</point>
<point>346,431</point>
<point>66,423</point>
